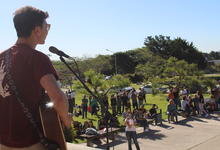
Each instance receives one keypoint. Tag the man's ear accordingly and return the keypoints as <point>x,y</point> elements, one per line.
<point>37,31</point>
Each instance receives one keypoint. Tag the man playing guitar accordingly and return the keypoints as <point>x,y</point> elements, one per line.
<point>32,72</point>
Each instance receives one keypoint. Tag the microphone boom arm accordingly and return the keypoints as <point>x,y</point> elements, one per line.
<point>78,77</point>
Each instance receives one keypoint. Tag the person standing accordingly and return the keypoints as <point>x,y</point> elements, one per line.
<point>113,104</point>
<point>124,99</point>
<point>141,98</point>
<point>32,73</point>
<point>119,102</point>
<point>70,100</point>
<point>134,99</point>
<point>73,95</point>
<point>130,131</point>
<point>172,111</point>
<point>196,104</point>
<point>201,104</point>
<point>94,106</point>
<point>84,106</point>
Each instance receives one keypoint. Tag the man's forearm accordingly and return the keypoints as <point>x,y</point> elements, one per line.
<point>59,99</point>
<point>61,107</point>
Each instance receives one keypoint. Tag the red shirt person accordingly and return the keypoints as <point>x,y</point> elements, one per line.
<point>32,73</point>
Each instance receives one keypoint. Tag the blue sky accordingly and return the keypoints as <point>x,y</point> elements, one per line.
<point>86,28</point>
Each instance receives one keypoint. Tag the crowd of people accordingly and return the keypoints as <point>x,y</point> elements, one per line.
<point>181,102</point>
<point>118,102</point>
<point>131,106</point>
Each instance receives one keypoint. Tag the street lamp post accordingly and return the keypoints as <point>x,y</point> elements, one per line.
<point>115,60</point>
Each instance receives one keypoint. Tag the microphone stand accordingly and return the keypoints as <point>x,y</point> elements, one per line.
<point>78,77</point>
<point>107,118</point>
<point>107,113</point>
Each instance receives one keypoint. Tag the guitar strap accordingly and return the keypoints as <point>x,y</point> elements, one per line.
<point>48,145</point>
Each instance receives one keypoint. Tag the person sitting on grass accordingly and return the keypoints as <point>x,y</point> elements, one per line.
<point>171,111</point>
<point>114,122</point>
<point>91,124</point>
<point>153,113</point>
<point>77,111</point>
<point>85,126</point>
<point>185,107</point>
<point>142,109</point>
<point>91,129</point>
<point>78,127</point>
<point>124,114</point>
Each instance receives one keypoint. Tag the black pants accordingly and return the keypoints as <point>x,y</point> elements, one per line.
<point>132,135</point>
<point>118,108</point>
<point>124,104</point>
<point>71,105</point>
<point>171,116</point>
<point>135,105</point>
<point>84,111</point>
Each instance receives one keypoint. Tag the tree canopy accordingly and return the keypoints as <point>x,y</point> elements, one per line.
<point>165,47</point>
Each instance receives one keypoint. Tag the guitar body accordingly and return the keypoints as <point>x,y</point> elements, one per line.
<point>51,125</point>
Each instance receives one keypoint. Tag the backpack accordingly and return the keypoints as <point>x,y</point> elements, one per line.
<point>91,131</point>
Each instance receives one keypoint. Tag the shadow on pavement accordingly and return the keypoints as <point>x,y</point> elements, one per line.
<point>152,135</point>
<point>119,139</point>
<point>214,117</point>
<point>185,121</point>
<point>165,126</point>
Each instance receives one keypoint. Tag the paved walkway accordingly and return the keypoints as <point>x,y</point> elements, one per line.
<point>190,134</point>
<point>195,133</point>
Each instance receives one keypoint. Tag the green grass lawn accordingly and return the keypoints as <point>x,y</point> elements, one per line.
<point>159,100</point>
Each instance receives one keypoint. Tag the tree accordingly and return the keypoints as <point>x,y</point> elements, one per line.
<point>153,68</point>
<point>65,76</point>
<point>212,55</point>
<point>178,70</point>
<point>179,48</point>
<point>159,45</point>
<point>125,64</point>
<point>101,64</point>
<point>99,85</point>
<point>127,61</point>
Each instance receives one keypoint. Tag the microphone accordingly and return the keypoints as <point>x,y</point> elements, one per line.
<point>54,50</point>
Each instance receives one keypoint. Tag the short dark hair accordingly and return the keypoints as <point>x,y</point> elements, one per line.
<point>27,18</point>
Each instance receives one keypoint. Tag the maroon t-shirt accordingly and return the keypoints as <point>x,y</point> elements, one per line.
<point>28,66</point>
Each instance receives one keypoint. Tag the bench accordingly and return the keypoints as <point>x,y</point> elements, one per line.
<point>101,134</point>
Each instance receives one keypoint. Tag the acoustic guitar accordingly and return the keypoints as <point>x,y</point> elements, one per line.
<point>51,124</point>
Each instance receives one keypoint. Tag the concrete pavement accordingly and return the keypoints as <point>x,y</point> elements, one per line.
<point>195,133</point>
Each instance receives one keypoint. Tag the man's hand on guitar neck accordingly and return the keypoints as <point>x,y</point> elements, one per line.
<point>48,82</point>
